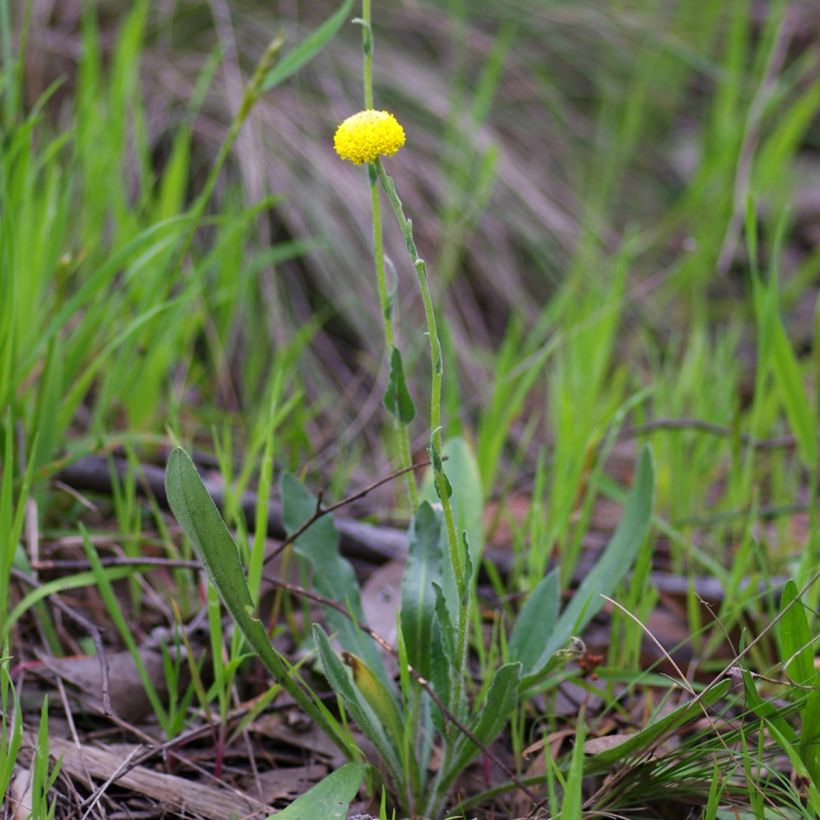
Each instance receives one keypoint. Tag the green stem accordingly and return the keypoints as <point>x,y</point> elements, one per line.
<point>403,434</point>
<point>438,371</point>
<point>367,52</point>
<point>457,560</point>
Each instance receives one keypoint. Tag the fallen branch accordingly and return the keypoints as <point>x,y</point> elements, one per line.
<point>370,542</point>
<point>358,539</point>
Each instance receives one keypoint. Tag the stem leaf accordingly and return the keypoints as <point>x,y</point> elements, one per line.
<point>397,397</point>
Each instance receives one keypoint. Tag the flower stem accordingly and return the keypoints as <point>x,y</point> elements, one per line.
<point>457,560</point>
<point>442,485</point>
<point>386,308</point>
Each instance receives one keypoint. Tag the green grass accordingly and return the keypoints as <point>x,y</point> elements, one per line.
<point>608,197</point>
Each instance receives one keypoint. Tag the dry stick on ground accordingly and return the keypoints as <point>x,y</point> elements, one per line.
<point>117,561</point>
<point>174,743</point>
<point>423,682</point>
<point>369,542</point>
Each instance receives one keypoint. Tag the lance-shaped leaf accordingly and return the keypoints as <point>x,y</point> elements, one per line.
<point>797,653</point>
<point>198,516</point>
<point>418,595</point>
<point>381,698</point>
<point>535,623</point>
<point>329,799</point>
<point>611,567</point>
<point>641,741</point>
<point>308,48</point>
<point>468,507</point>
<point>491,720</point>
<point>356,703</point>
<point>397,397</point>
<point>795,637</point>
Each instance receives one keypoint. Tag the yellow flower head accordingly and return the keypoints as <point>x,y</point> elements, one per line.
<point>368,135</point>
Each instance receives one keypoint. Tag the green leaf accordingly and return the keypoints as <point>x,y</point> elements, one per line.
<point>611,568</point>
<point>445,623</point>
<point>329,799</point>
<point>333,576</point>
<point>198,516</point>
<point>467,496</point>
<point>810,735</point>
<point>308,48</point>
<point>572,804</point>
<point>640,741</point>
<point>535,623</point>
<point>356,703</point>
<point>797,653</point>
<point>418,595</point>
<point>382,699</point>
<point>793,394</point>
<point>440,673</point>
<point>501,700</point>
<point>795,638</point>
<point>765,710</point>
<point>397,397</point>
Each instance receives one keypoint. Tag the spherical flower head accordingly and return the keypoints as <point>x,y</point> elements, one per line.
<point>368,135</point>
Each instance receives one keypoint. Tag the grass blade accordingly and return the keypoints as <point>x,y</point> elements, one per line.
<point>307,49</point>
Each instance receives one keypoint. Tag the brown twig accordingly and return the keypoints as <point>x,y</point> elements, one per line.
<point>359,539</point>
<point>117,561</point>
<point>322,511</point>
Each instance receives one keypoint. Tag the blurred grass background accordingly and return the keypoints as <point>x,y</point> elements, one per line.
<point>578,174</point>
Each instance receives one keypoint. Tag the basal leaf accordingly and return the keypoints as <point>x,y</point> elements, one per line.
<point>329,799</point>
<point>468,507</point>
<point>795,637</point>
<point>418,595</point>
<point>493,716</point>
<point>198,516</point>
<point>611,567</point>
<point>355,702</point>
<point>332,575</point>
<point>643,740</point>
<point>535,623</point>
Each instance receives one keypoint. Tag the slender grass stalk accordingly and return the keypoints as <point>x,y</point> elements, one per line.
<point>253,91</point>
<point>385,304</point>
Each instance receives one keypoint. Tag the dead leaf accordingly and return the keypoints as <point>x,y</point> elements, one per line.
<point>381,596</point>
<point>596,745</point>
<point>128,698</point>
<point>313,740</point>
<point>285,783</point>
